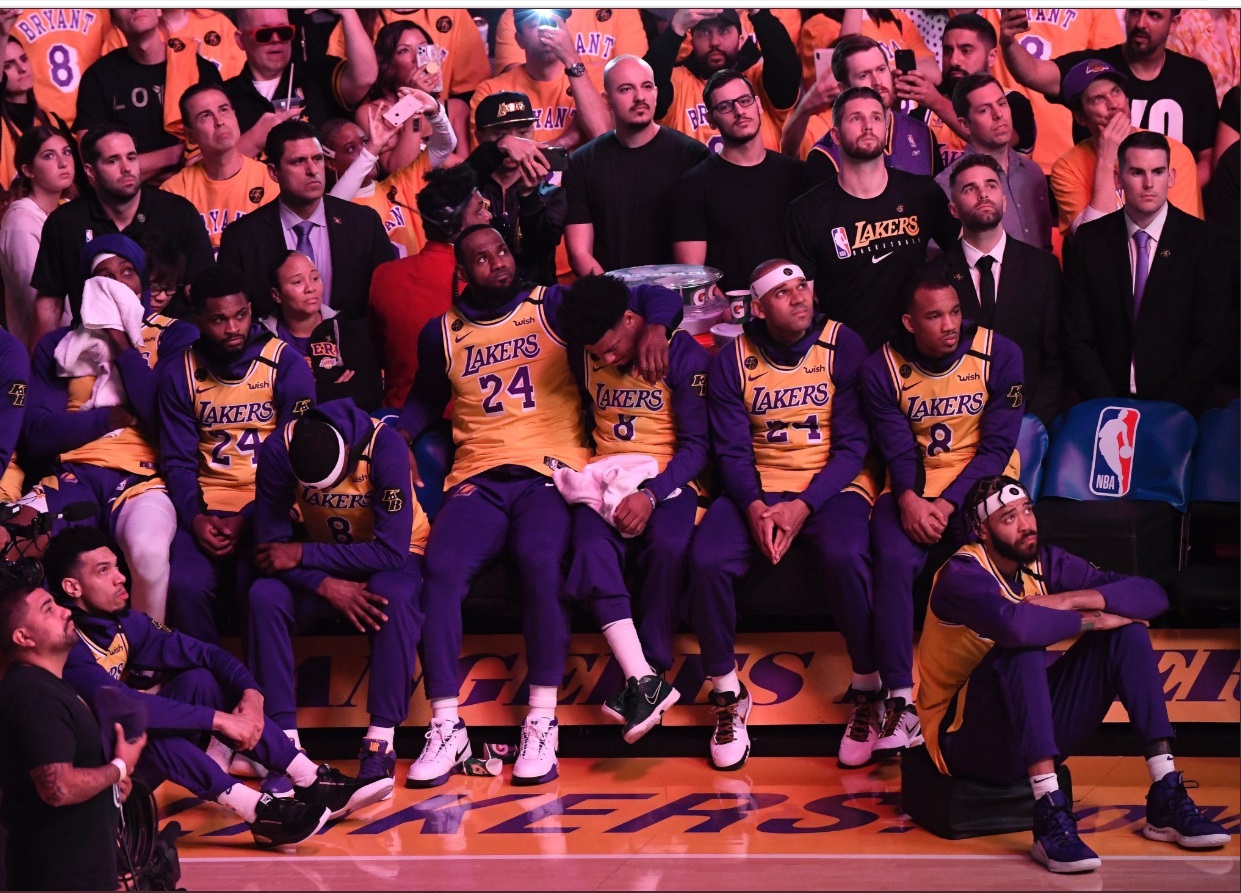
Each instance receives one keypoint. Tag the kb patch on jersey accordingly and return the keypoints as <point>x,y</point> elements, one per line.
<point>392,500</point>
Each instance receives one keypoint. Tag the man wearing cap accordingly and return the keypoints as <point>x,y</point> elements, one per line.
<point>771,64</point>
<point>995,711</point>
<point>348,478</point>
<point>1171,93</point>
<point>526,206</point>
<point>791,441</point>
<point>944,400</point>
<point>568,108</point>
<point>1083,180</point>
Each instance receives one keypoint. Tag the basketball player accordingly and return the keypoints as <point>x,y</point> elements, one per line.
<point>996,711</point>
<point>348,478</point>
<point>208,694</point>
<point>791,440</point>
<point>666,420</point>
<point>218,401</point>
<point>103,438</point>
<point>945,404</point>
<point>499,354</point>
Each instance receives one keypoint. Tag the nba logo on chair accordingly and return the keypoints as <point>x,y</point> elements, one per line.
<point>1111,469</point>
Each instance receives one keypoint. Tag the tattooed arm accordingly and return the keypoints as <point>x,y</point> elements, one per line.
<point>63,784</point>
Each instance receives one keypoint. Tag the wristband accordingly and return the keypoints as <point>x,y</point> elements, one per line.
<point>650,496</point>
<point>121,767</point>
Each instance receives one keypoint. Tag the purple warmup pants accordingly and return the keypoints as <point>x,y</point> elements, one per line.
<point>723,551</point>
<point>519,512</point>
<point>197,577</point>
<point>598,571</point>
<point>181,758</point>
<point>898,560</point>
<point>1018,710</point>
<point>277,611</point>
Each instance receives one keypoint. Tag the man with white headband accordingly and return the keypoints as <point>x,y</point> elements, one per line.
<point>994,711</point>
<point>349,479</point>
<point>791,441</point>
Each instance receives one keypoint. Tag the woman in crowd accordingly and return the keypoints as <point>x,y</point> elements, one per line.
<point>19,112</point>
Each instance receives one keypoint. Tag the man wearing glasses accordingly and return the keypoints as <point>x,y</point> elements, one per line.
<point>707,228</point>
<point>274,86</point>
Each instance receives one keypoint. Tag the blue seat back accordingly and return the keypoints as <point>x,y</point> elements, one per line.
<point>1032,445</point>
<point>1112,448</point>
<point>433,451</point>
<point>1217,466</point>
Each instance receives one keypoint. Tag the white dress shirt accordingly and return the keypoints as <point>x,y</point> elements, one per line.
<point>972,255</point>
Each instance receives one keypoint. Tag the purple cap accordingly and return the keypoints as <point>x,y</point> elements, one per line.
<point>1083,74</point>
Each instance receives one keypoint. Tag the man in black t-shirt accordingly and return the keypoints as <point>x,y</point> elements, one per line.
<point>61,795</point>
<point>621,185</point>
<point>128,86</point>
<point>730,208</point>
<point>1170,93</point>
<point>862,236</point>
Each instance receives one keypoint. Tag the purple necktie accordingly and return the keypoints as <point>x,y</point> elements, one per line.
<point>1141,268</point>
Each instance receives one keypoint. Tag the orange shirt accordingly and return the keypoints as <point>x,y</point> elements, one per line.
<point>1215,44</point>
<point>466,65</point>
<point>1054,32</point>
<point>552,102</point>
<point>393,199</point>
<point>211,31</point>
<point>688,115</point>
<point>220,202</point>
<point>820,32</point>
<point>61,44</point>
<point>600,35</point>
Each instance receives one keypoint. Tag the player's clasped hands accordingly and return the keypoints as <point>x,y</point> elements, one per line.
<point>356,602</point>
<point>275,557</point>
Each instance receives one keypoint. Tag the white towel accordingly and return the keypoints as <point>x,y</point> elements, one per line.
<point>106,304</point>
<point>603,484</point>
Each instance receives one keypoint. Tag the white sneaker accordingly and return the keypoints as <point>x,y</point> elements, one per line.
<point>730,744</point>
<point>863,729</point>
<point>901,727</point>
<point>448,746</point>
<point>536,755</point>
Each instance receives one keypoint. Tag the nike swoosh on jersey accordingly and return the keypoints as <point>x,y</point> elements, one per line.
<point>202,390</point>
<point>875,260</point>
<point>906,387</point>
<point>755,377</point>
<point>459,338</point>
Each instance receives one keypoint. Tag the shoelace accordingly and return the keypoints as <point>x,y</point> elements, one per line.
<point>863,716</point>
<point>1183,806</point>
<point>530,730</point>
<point>725,724</point>
<point>435,735</point>
<point>891,721</point>
<point>1064,823</point>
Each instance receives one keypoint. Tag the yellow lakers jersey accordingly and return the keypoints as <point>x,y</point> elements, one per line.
<point>114,658</point>
<point>220,202</point>
<point>948,653</point>
<point>394,200</point>
<point>514,399</point>
<point>790,410</point>
<point>345,513</point>
<point>61,44</point>
<point>944,410</point>
<point>631,414</point>
<point>688,114</point>
<point>212,35</point>
<point>234,418</point>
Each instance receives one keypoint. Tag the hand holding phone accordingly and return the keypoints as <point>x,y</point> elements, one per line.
<point>429,58</point>
<point>403,109</point>
<point>905,61</point>
<point>557,157</point>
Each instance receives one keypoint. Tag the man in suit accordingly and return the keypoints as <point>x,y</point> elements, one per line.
<point>1146,292</point>
<point>346,241</point>
<point>1002,283</point>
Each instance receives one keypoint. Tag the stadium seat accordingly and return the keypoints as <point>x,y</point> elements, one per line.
<point>1116,485</point>
<point>1032,445</point>
<point>433,451</point>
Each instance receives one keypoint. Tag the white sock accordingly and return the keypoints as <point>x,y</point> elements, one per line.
<point>543,701</point>
<point>728,682</point>
<point>144,529</point>
<point>444,708</point>
<point>1044,785</point>
<point>1160,765</point>
<point>303,770</point>
<point>906,693</point>
<point>294,736</point>
<point>867,681</point>
<point>242,800</point>
<point>382,733</point>
<point>623,639</point>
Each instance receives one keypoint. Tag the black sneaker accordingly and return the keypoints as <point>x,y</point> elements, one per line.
<point>615,707</point>
<point>286,821</point>
<point>342,794</point>
<point>649,697</point>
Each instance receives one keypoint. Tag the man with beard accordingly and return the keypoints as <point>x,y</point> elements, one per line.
<point>859,62</point>
<point>969,48</point>
<point>1170,93</point>
<point>729,209</point>
<point>863,234</point>
<point>119,204</point>
<point>791,441</point>
<point>771,65</point>
<point>985,112</point>
<point>945,402</point>
<point>218,402</point>
<point>1004,284</point>
<point>997,711</point>
<point>499,354</point>
<point>610,223</point>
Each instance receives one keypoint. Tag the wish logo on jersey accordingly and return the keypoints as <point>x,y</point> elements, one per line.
<point>1111,469</point>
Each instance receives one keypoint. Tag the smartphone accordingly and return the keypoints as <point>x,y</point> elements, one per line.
<point>905,61</point>
<point>430,56</point>
<point>557,157</point>
<point>822,64</point>
<point>402,110</point>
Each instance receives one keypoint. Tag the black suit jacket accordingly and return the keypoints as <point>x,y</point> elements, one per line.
<point>1027,311</point>
<point>355,232</point>
<point>1179,339</point>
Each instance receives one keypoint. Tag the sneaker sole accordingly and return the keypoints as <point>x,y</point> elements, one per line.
<point>843,765</point>
<point>379,789</point>
<point>734,766</point>
<point>525,781</point>
<point>1040,855</point>
<point>1171,835</point>
<point>269,845</point>
<point>633,735</point>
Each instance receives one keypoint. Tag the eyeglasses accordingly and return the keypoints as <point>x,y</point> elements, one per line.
<point>726,106</point>
<point>268,33</point>
<point>169,290</point>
